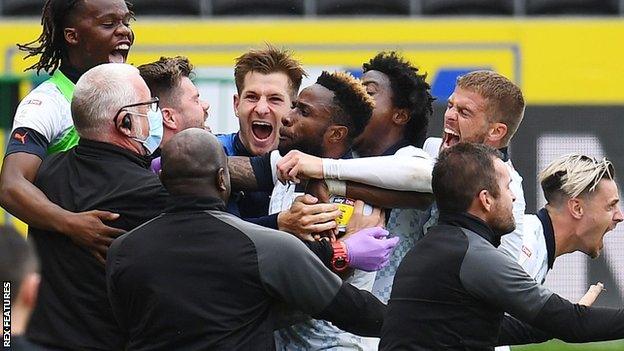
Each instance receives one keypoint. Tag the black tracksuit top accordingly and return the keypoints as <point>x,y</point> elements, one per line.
<point>199,278</point>
<point>452,289</point>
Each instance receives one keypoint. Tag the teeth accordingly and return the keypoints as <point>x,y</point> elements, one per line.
<point>122,47</point>
<point>450,131</point>
<point>261,123</point>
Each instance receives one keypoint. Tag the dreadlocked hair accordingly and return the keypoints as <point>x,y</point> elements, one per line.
<point>51,42</point>
<point>354,106</point>
<point>410,91</point>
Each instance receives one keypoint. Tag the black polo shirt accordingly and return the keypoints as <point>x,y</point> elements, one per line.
<point>72,310</point>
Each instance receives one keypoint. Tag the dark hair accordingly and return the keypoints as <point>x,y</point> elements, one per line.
<point>461,172</point>
<point>17,259</point>
<point>164,75</point>
<point>410,91</point>
<point>267,61</point>
<point>354,107</point>
<point>51,42</point>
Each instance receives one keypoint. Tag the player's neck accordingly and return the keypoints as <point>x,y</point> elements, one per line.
<point>565,232</point>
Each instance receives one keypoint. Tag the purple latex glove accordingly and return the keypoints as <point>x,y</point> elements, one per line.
<point>369,250</point>
<point>155,167</point>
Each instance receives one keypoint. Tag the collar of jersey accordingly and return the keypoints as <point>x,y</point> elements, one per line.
<point>64,85</point>
<point>549,235</point>
<point>472,223</point>
<point>193,203</point>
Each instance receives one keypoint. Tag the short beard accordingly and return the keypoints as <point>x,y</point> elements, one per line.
<point>504,226</point>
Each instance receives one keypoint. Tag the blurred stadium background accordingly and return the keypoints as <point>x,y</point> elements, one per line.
<point>564,54</point>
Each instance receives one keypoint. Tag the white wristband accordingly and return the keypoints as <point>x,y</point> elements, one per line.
<point>331,168</point>
<point>336,187</point>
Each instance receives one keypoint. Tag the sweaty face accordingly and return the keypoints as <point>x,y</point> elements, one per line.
<point>305,125</point>
<point>601,214</point>
<point>192,109</point>
<point>502,210</point>
<point>102,33</point>
<point>378,86</point>
<point>260,107</point>
<point>465,119</point>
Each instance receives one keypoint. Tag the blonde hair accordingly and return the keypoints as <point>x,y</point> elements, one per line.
<point>573,175</point>
<point>505,100</point>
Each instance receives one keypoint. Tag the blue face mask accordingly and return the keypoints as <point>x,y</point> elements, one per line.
<point>152,142</point>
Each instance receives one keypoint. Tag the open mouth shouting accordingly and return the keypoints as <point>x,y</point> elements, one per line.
<point>262,131</point>
<point>119,53</point>
<point>450,137</point>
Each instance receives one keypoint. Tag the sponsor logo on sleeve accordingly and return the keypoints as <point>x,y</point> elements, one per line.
<point>20,137</point>
<point>33,102</point>
<point>526,251</point>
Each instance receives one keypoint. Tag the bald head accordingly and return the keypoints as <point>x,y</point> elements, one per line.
<point>194,163</point>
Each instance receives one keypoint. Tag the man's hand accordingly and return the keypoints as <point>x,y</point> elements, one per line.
<point>88,230</point>
<point>591,295</point>
<point>306,217</point>
<point>296,165</point>
<point>369,250</point>
<point>361,221</point>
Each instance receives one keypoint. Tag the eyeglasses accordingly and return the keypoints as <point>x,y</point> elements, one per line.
<point>152,104</point>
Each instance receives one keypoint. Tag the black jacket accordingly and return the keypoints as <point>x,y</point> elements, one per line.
<point>452,289</point>
<point>72,310</point>
<point>199,278</point>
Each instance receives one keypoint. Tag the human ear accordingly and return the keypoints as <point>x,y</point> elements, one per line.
<point>221,180</point>
<point>169,118</point>
<point>575,207</point>
<point>486,200</point>
<point>336,134</point>
<point>235,103</point>
<point>401,117</point>
<point>497,131</point>
<point>124,123</point>
<point>70,35</point>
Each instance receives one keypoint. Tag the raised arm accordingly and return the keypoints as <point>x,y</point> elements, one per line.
<point>379,197</point>
<point>495,278</point>
<point>406,171</point>
<point>253,173</point>
<point>242,175</point>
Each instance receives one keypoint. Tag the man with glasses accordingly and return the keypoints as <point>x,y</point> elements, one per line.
<point>76,36</point>
<point>119,125</point>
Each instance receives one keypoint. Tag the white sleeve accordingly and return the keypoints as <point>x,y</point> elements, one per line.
<point>41,112</point>
<point>275,157</point>
<point>432,146</point>
<point>407,170</point>
<point>533,255</point>
<point>511,243</point>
